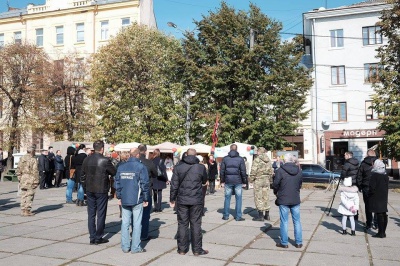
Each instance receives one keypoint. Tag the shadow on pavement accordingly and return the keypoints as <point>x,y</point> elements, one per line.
<point>8,204</point>
<point>48,208</point>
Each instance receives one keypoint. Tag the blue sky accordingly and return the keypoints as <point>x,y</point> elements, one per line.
<point>183,12</point>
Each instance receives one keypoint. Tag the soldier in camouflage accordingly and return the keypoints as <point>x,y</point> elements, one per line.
<point>261,175</point>
<point>28,177</point>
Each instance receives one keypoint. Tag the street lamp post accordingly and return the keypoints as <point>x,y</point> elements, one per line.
<point>188,120</point>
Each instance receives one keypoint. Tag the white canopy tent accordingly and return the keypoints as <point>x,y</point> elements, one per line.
<point>199,147</point>
<point>126,146</point>
<point>165,147</point>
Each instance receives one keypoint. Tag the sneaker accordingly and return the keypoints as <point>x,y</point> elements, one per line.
<point>240,219</point>
<point>101,241</point>
<point>225,218</point>
<point>70,202</point>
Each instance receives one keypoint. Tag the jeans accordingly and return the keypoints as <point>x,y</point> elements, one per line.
<point>238,196</point>
<point>131,214</point>
<point>284,214</point>
<point>70,187</point>
<point>146,218</point>
<point>81,193</point>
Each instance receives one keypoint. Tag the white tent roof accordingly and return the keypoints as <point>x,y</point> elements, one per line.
<point>126,146</point>
<point>199,147</point>
<point>165,147</point>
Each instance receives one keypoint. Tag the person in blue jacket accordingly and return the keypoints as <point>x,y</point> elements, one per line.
<point>132,185</point>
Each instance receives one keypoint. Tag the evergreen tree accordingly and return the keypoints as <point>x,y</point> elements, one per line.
<point>387,97</point>
<point>258,88</point>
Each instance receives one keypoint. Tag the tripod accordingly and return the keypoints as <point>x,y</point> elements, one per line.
<point>333,198</point>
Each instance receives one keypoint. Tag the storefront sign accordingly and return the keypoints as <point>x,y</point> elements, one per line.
<point>360,133</point>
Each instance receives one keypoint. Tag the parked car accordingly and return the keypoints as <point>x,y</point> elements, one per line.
<point>317,173</point>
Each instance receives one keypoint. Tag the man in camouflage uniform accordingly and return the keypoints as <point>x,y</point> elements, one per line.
<point>261,175</point>
<point>28,177</point>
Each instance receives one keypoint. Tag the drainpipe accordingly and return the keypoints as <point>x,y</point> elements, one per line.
<point>315,110</point>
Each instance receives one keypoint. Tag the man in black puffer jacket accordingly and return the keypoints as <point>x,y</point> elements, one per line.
<point>186,188</point>
<point>233,177</point>
<point>95,179</point>
<point>363,177</point>
<point>350,168</point>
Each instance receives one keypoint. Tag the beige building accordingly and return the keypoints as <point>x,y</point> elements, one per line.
<point>65,27</point>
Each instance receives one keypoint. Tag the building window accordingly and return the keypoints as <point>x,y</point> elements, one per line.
<point>336,38</point>
<point>371,35</point>
<point>80,32</point>
<point>60,35</point>
<point>126,22</point>
<point>2,40</point>
<point>370,112</point>
<point>18,37</point>
<point>39,37</point>
<point>338,75</point>
<point>339,111</point>
<point>104,30</point>
<point>371,73</point>
<point>37,139</point>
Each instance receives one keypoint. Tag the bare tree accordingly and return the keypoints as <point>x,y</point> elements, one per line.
<point>23,88</point>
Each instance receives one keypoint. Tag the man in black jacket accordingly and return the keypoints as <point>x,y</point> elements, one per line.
<point>152,171</point>
<point>186,188</point>
<point>363,177</point>
<point>233,177</point>
<point>287,184</point>
<point>95,179</point>
<point>350,168</point>
<point>43,166</point>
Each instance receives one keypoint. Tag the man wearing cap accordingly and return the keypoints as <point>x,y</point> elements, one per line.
<point>28,179</point>
<point>43,169</point>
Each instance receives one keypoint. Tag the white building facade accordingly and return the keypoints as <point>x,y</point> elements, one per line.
<point>66,27</point>
<point>341,44</point>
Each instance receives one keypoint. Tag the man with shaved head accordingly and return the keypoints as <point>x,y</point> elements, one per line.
<point>186,189</point>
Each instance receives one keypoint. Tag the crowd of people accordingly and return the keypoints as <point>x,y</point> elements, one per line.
<point>137,182</point>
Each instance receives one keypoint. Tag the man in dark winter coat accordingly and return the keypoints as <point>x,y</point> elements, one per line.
<point>350,168</point>
<point>233,177</point>
<point>287,184</point>
<point>152,172</point>
<point>95,179</point>
<point>363,178</point>
<point>186,189</point>
<point>43,169</point>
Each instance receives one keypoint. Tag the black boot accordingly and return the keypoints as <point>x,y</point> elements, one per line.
<point>266,216</point>
<point>260,217</point>
<point>344,232</point>
<point>385,222</point>
<point>381,225</point>
<point>353,233</point>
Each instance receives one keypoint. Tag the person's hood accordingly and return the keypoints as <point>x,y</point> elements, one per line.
<point>233,154</point>
<point>353,161</point>
<point>190,159</point>
<point>70,150</point>
<point>264,157</point>
<point>291,168</point>
<point>370,160</point>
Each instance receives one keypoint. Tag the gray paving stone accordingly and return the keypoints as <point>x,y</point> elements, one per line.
<point>315,259</point>
<point>65,250</point>
<point>268,257</point>
<point>22,259</point>
<point>176,259</point>
<point>16,244</point>
<point>57,234</point>
<point>342,248</point>
<point>20,230</point>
